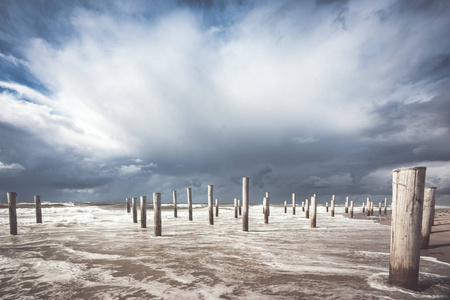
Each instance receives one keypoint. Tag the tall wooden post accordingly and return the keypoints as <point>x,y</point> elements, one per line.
<point>313,211</point>
<point>134,204</point>
<point>245,194</point>
<point>235,208</point>
<point>157,213</point>
<point>217,207</point>
<point>427,216</point>
<point>210,204</point>
<point>368,206</point>
<point>12,212</point>
<point>333,199</point>
<point>371,208</point>
<point>240,206</point>
<point>379,208</point>
<point>175,204</point>
<point>407,205</point>
<point>189,200</point>
<point>385,206</point>
<point>266,210</point>
<point>346,205</point>
<point>307,208</point>
<point>143,212</point>
<point>267,196</point>
<point>303,206</point>
<point>37,203</point>
<point>351,209</point>
<point>128,205</point>
<point>293,203</point>
<point>364,208</point>
<point>285,207</point>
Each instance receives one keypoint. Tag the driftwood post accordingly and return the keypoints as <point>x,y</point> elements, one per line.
<point>143,212</point>
<point>245,194</point>
<point>189,199</point>
<point>267,196</point>
<point>217,207</point>
<point>364,209</point>
<point>313,211</point>
<point>175,209</point>
<point>385,206</point>
<point>326,205</point>
<point>157,213</point>
<point>128,205</point>
<point>12,213</point>
<point>285,207</point>
<point>427,217</point>
<point>351,209</point>
<point>333,199</point>
<point>266,210</point>
<point>346,205</point>
<point>379,208</point>
<point>368,206</point>
<point>37,203</point>
<point>293,203</point>
<point>303,206</point>
<point>235,208</point>
<point>307,208</point>
<point>240,206</point>
<point>210,204</point>
<point>407,204</point>
<point>134,200</point>
<point>371,208</point>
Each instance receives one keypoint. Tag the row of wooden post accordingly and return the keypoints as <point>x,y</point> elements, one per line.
<point>13,211</point>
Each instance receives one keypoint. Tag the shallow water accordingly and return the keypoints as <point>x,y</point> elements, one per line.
<point>93,251</point>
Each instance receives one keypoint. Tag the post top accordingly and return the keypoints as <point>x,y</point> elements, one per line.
<point>430,187</point>
<point>409,168</point>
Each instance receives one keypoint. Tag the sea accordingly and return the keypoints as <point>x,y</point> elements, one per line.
<point>95,251</point>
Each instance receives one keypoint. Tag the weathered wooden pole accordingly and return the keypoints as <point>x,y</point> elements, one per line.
<point>37,203</point>
<point>235,208</point>
<point>12,212</point>
<point>307,208</point>
<point>210,204</point>
<point>326,205</point>
<point>157,213</point>
<point>293,203</point>
<point>175,204</point>
<point>285,207</point>
<point>385,206</point>
<point>351,209</point>
<point>266,210</point>
<point>217,207</point>
<point>407,205</point>
<point>240,207</point>
<point>267,196</point>
<point>346,205</point>
<point>245,194</point>
<point>128,205</point>
<point>368,206</point>
<point>371,208</point>
<point>364,208</point>
<point>303,206</point>
<point>189,199</point>
<point>427,217</point>
<point>143,212</point>
<point>333,199</point>
<point>313,211</point>
<point>134,206</point>
<point>379,208</point>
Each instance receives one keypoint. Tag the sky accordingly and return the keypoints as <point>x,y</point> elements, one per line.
<point>103,100</point>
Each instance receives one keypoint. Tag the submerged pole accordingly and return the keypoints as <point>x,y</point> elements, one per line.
<point>313,211</point>
<point>293,203</point>
<point>385,206</point>
<point>266,210</point>
<point>285,207</point>
<point>134,205</point>
<point>235,208</point>
<point>368,206</point>
<point>128,205</point>
<point>326,205</point>
<point>189,200</point>
<point>157,213</point>
<point>303,206</point>
<point>427,216</point>
<point>143,212</point>
<point>210,204</point>
<point>12,212</point>
<point>307,208</point>
<point>217,207</point>
<point>333,199</point>
<point>37,203</point>
<point>240,206</point>
<point>175,209</point>
<point>364,209</point>
<point>407,205</point>
<point>351,209</point>
<point>245,194</point>
<point>346,205</point>
<point>379,208</point>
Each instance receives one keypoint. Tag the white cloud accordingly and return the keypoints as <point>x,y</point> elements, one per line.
<point>13,166</point>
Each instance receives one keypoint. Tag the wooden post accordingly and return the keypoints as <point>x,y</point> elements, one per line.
<point>266,210</point>
<point>385,206</point>
<point>427,217</point>
<point>407,205</point>
<point>307,208</point>
<point>371,208</point>
<point>189,199</point>
<point>217,207</point>
<point>285,207</point>
<point>210,204</point>
<point>303,206</point>
<point>235,208</point>
<point>379,208</point>
<point>37,203</point>
<point>364,208</point>
<point>293,203</point>
<point>134,210</point>
<point>333,199</point>
<point>240,207</point>
<point>245,194</point>
<point>368,207</point>
<point>267,196</point>
<point>346,205</point>
<point>143,212</point>
<point>157,213</point>
<point>351,209</point>
<point>313,211</point>
<point>326,205</point>
<point>128,205</point>
<point>12,212</point>
<point>175,208</point>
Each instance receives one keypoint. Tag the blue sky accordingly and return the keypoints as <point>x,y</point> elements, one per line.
<point>102,100</point>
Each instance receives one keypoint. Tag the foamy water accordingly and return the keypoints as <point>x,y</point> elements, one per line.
<point>88,251</point>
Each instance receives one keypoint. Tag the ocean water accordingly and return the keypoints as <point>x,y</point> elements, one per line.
<point>95,251</point>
